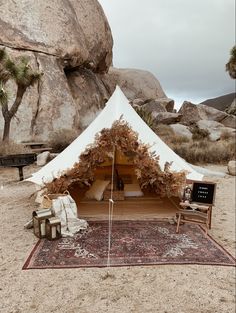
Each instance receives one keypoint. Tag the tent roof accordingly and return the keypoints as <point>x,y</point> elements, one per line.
<point>117,106</point>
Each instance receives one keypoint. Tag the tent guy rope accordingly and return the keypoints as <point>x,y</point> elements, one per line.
<point>111,207</point>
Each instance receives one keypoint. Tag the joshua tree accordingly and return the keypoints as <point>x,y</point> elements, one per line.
<point>231,65</point>
<point>22,74</point>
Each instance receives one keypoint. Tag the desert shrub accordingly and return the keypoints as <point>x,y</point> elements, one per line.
<point>165,132</point>
<point>147,117</point>
<point>231,146</point>
<point>199,134</point>
<point>226,135</point>
<point>61,139</point>
<point>179,139</point>
<point>12,148</point>
<point>205,151</point>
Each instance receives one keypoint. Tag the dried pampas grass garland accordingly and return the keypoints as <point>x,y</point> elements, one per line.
<point>125,140</point>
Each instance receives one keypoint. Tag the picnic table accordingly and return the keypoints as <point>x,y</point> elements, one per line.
<point>18,160</point>
<point>37,147</point>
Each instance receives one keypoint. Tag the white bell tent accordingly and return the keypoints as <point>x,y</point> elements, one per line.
<point>117,106</point>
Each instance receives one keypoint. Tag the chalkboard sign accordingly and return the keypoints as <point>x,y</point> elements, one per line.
<point>203,192</point>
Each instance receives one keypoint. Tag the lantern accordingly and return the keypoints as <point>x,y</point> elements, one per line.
<point>53,228</point>
<point>39,222</point>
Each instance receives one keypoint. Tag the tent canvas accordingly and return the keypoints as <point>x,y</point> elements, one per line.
<point>118,105</point>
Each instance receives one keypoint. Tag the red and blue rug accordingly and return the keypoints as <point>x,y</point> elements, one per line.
<point>132,243</point>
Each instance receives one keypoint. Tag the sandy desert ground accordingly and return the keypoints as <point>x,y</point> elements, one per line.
<point>165,289</point>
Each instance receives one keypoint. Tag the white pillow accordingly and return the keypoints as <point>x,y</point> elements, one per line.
<point>132,190</point>
<point>97,189</point>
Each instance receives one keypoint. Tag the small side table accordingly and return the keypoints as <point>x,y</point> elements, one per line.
<point>194,213</point>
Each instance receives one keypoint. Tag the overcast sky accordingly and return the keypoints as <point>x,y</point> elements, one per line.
<point>184,43</point>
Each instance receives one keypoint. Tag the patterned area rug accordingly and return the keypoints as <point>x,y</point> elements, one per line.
<point>132,243</point>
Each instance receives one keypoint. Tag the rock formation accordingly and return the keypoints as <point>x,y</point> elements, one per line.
<point>181,130</point>
<point>192,113</point>
<point>159,105</point>
<point>75,31</point>
<point>134,83</point>
<point>56,36</point>
<point>70,41</point>
<point>167,118</point>
<point>215,129</point>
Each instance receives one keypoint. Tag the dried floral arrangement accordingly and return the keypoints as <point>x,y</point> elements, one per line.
<point>122,138</point>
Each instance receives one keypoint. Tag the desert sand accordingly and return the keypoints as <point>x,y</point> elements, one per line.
<point>162,288</point>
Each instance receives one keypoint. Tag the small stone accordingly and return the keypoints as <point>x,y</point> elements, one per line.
<point>42,158</point>
<point>232,167</point>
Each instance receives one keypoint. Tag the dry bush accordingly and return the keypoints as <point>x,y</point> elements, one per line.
<point>167,134</point>
<point>205,151</point>
<point>231,146</point>
<point>200,149</point>
<point>164,130</point>
<point>226,135</point>
<point>199,134</point>
<point>61,139</point>
<point>147,117</point>
<point>122,138</point>
<point>12,148</point>
<point>180,139</point>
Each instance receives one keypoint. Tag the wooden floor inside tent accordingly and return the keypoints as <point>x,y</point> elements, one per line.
<point>127,210</point>
<point>143,208</point>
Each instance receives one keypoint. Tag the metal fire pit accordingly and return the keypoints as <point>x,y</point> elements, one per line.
<point>18,160</point>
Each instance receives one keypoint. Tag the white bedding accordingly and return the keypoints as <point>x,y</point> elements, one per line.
<point>132,190</point>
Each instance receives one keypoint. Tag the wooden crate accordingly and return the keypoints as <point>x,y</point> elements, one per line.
<point>118,195</point>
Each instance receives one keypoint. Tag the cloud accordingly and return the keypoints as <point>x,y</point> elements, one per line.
<point>185,44</point>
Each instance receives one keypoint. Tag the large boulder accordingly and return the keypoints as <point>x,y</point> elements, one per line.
<point>216,129</point>
<point>43,158</point>
<point>57,36</point>
<point>46,107</point>
<point>167,103</point>
<point>134,83</point>
<point>154,107</point>
<point>192,113</point>
<point>89,94</point>
<point>76,31</point>
<point>70,42</point>
<point>167,118</point>
<point>181,130</point>
<point>97,33</point>
<point>159,105</point>
<point>137,102</point>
